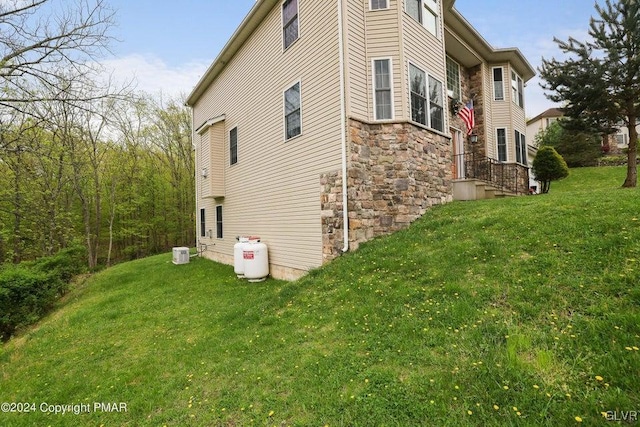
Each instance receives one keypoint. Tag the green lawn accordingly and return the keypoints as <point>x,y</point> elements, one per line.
<point>521,311</point>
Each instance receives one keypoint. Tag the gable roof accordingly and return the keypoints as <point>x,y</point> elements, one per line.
<point>462,35</point>
<point>551,112</point>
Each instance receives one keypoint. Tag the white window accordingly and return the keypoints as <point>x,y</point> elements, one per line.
<point>521,148</point>
<point>219,222</point>
<point>383,95</point>
<point>517,89</point>
<point>423,101</point>
<point>426,12</point>
<point>233,146</point>
<point>498,84</point>
<point>453,78</point>
<point>292,112</point>
<point>379,4</point>
<point>501,138</point>
<point>289,22</point>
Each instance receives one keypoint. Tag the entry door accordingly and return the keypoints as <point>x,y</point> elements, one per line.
<point>458,154</point>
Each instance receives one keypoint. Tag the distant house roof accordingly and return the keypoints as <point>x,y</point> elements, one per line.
<point>551,112</point>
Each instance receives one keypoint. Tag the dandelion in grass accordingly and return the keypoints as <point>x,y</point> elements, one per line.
<point>578,419</point>
<point>496,407</point>
<point>271,413</point>
<point>470,412</point>
<point>599,378</point>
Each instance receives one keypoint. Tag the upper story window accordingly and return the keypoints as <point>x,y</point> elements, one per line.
<point>453,78</point>
<point>292,112</point>
<point>379,4</point>
<point>517,92</point>
<point>426,12</point>
<point>233,146</point>
<point>289,22</point>
<point>521,148</point>
<point>382,97</point>
<point>423,101</point>
<point>498,84</point>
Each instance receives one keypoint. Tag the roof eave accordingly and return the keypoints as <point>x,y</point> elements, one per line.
<point>248,25</point>
<point>458,24</point>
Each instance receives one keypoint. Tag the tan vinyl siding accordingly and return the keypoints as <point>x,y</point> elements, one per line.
<point>357,83</point>
<point>217,144</point>
<point>426,52</point>
<point>383,41</point>
<point>274,189</point>
<point>500,112</point>
<point>203,153</point>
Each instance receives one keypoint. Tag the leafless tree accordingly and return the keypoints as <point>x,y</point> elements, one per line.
<point>49,51</point>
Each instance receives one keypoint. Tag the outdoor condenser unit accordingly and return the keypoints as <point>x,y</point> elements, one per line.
<point>180,256</point>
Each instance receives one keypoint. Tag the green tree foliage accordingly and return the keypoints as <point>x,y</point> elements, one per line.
<point>121,184</point>
<point>578,148</point>
<point>600,81</point>
<point>549,166</point>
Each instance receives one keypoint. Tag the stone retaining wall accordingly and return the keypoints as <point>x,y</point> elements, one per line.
<point>396,172</point>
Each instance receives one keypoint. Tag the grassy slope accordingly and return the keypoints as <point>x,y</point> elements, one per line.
<point>523,311</point>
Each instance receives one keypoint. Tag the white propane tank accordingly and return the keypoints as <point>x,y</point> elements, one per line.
<point>256,261</point>
<point>238,260</point>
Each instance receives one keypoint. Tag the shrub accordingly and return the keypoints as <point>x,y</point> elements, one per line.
<point>29,290</point>
<point>549,166</point>
<point>25,295</point>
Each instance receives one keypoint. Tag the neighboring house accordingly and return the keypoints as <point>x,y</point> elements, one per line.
<point>308,92</point>
<point>536,125</point>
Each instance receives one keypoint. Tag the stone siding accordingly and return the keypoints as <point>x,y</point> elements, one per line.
<point>396,172</point>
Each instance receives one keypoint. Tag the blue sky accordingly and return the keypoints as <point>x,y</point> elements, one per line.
<point>168,45</point>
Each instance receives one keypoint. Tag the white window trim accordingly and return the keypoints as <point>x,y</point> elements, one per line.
<point>515,92</point>
<point>284,49</point>
<point>423,6</point>
<point>493,84</point>
<point>284,112</point>
<point>517,145</point>
<point>506,144</point>
<point>459,76</point>
<point>236,127</point>
<point>222,222</point>
<point>443,94</point>
<point>374,10</point>
<point>373,86</point>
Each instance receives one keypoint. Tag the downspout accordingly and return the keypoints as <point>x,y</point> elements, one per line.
<point>343,131</point>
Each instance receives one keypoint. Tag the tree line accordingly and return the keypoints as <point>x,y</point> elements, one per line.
<point>84,160</point>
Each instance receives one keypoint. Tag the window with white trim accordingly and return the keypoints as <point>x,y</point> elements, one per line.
<point>203,225</point>
<point>379,4</point>
<point>423,101</point>
<point>453,77</point>
<point>292,112</point>
<point>290,31</point>
<point>219,221</point>
<point>517,89</point>
<point>501,138</point>
<point>426,12</point>
<point>233,146</point>
<point>382,96</point>
<point>498,84</point>
<point>521,148</point>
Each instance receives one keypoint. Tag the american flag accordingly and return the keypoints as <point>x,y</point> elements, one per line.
<point>467,116</point>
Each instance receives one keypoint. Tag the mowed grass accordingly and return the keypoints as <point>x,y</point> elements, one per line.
<point>521,311</point>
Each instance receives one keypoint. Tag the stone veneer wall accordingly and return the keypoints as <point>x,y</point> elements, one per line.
<point>396,172</point>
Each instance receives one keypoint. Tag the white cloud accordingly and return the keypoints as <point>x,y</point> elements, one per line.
<point>151,74</point>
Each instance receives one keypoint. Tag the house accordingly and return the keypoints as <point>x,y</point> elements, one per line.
<point>322,125</point>
<point>617,141</point>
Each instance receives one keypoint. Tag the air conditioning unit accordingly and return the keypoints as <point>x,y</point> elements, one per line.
<point>180,256</point>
